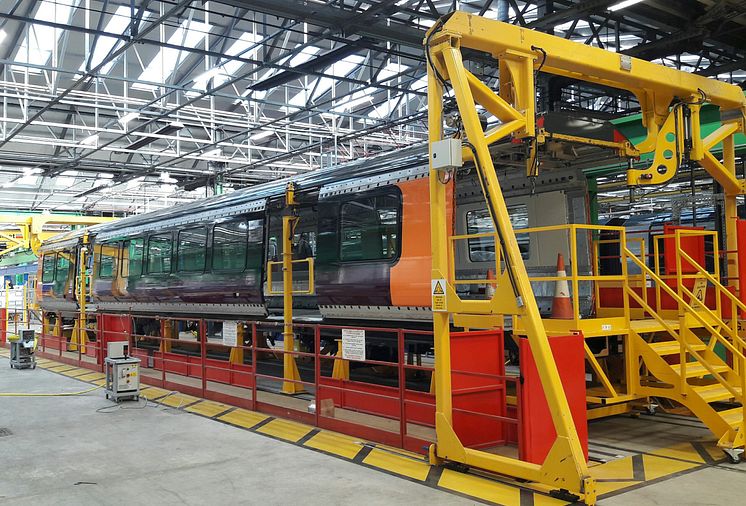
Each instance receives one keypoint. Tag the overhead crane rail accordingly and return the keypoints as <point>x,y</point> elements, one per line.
<point>521,53</point>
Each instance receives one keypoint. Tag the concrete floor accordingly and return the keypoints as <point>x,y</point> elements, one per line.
<point>61,451</point>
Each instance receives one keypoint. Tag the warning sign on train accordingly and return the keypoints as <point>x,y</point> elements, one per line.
<point>353,344</point>
<point>439,295</point>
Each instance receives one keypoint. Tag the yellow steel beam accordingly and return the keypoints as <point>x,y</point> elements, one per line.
<point>290,367</point>
<point>565,465</point>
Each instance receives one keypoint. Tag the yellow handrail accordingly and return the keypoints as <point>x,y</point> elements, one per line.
<point>682,304</point>
<point>311,283</point>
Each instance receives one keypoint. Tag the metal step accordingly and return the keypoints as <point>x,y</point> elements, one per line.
<point>715,392</point>
<point>664,348</point>
<point>732,417</point>
<point>652,325</point>
<point>695,369</point>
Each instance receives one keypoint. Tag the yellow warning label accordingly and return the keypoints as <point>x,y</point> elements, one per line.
<point>439,295</point>
<point>700,289</point>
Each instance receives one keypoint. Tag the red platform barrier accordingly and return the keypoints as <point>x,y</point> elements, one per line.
<point>538,429</point>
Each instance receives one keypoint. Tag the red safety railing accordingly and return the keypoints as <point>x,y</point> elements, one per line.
<point>387,397</point>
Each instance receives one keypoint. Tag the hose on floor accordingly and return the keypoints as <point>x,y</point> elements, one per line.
<point>60,394</point>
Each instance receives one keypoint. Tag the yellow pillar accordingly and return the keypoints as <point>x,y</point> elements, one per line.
<point>166,335</point>
<point>237,353</point>
<point>341,370</point>
<point>290,368</point>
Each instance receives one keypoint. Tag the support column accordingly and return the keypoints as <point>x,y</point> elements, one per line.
<point>290,368</point>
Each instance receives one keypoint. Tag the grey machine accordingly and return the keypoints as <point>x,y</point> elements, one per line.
<point>22,350</point>
<point>122,372</point>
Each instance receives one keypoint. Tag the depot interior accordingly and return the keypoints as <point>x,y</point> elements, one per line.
<point>462,250</point>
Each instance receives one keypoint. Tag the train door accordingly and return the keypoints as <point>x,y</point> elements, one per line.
<point>304,253</point>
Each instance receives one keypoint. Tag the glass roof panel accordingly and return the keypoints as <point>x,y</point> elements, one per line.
<point>189,34</point>
<point>118,23</point>
<point>39,42</point>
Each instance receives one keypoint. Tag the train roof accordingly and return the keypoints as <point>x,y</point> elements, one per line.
<point>255,197</point>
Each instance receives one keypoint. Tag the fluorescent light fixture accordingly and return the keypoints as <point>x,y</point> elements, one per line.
<point>262,135</point>
<point>128,117</point>
<point>623,5</point>
<point>27,171</point>
<point>91,140</point>
<point>214,152</point>
<point>166,178</point>
<point>8,184</point>
<point>2,35</point>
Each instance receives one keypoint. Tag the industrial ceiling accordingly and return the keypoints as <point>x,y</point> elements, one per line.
<point>128,106</point>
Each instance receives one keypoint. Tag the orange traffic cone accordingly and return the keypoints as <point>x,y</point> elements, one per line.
<point>561,304</point>
<point>490,286</point>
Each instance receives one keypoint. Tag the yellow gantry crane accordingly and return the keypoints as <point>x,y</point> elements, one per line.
<point>24,231</point>
<point>670,102</point>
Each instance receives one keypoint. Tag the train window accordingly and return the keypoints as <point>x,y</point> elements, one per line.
<point>107,260</point>
<point>64,259</point>
<point>190,253</point>
<point>47,272</point>
<point>229,245</point>
<point>159,254</point>
<point>132,254</point>
<point>370,228</point>
<point>479,221</point>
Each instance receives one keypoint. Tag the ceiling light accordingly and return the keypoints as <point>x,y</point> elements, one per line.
<point>2,35</point>
<point>623,5</point>
<point>166,178</point>
<point>91,140</point>
<point>128,117</point>
<point>8,184</point>
<point>27,171</point>
<point>214,152</point>
<point>262,135</point>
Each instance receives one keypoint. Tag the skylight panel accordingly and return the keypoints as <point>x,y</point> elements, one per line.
<point>118,23</point>
<point>225,70</point>
<point>342,68</point>
<point>188,35</point>
<point>385,109</point>
<point>302,57</point>
<point>38,44</point>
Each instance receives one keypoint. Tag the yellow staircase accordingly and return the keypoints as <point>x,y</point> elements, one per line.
<point>678,360</point>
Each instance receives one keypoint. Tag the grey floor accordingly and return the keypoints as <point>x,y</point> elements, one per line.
<point>61,451</point>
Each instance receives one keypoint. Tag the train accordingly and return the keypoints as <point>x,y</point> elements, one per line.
<point>365,224</point>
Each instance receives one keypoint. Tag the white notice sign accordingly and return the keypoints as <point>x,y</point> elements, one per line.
<point>230,333</point>
<point>353,344</point>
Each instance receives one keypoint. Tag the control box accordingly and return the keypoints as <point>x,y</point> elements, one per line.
<point>118,349</point>
<point>122,378</point>
<point>446,154</point>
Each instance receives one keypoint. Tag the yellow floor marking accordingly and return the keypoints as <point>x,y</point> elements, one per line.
<point>155,393</point>
<point>655,467</point>
<point>620,469</point>
<point>712,448</point>
<point>178,400</point>
<point>605,487</point>
<point>397,464</point>
<point>481,488</point>
<point>75,372</point>
<point>338,444</point>
<point>243,418</point>
<point>99,382</point>
<point>91,376</point>
<point>208,408</point>
<point>62,367</point>
<point>285,429</point>
<point>683,451</point>
<point>45,365</point>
